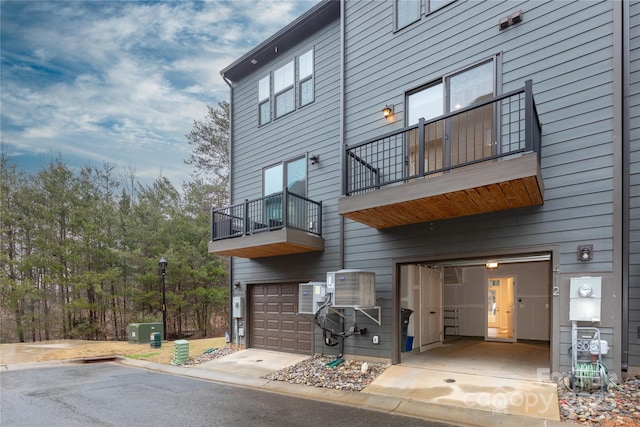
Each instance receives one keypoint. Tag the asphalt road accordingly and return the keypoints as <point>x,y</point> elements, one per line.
<point>109,394</point>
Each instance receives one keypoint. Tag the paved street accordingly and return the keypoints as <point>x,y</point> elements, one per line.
<point>110,394</point>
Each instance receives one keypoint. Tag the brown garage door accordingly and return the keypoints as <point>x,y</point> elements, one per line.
<point>274,323</point>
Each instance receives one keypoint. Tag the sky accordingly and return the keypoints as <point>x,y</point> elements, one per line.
<point>121,82</point>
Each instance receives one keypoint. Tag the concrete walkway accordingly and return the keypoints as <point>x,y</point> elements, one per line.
<point>470,400</point>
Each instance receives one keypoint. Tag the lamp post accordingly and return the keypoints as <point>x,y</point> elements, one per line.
<point>163,269</point>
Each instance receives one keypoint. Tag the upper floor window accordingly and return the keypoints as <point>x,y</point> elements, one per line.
<point>409,11</point>
<point>290,175</point>
<point>279,88</point>
<point>451,93</point>
<point>460,138</point>
<point>305,77</point>
<point>264,92</point>
<point>283,89</point>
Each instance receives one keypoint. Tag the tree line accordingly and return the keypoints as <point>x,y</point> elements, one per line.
<point>80,248</point>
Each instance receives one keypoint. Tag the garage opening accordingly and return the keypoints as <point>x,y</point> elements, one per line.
<point>274,322</point>
<point>477,316</point>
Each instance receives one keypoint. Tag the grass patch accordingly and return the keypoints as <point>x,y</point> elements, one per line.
<point>162,355</point>
<point>141,356</point>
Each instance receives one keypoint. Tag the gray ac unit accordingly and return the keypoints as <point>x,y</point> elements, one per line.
<point>352,288</point>
<point>310,296</point>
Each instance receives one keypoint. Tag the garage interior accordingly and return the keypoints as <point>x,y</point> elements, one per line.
<point>488,317</point>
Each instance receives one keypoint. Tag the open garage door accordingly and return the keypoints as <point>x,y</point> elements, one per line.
<point>274,322</point>
<point>506,300</point>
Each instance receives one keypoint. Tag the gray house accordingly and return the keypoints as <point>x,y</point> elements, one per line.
<point>480,159</point>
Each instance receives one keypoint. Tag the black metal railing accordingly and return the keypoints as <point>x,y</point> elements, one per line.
<point>488,130</point>
<point>272,212</point>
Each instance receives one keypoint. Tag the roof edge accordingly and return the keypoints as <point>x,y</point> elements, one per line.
<point>315,18</point>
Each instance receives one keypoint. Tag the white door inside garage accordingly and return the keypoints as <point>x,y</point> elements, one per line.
<point>274,322</point>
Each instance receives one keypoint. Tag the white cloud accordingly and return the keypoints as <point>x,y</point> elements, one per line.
<point>122,82</point>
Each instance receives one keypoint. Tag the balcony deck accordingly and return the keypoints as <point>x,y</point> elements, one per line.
<point>484,188</point>
<point>479,159</point>
<point>279,224</point>
<point>284,241</point>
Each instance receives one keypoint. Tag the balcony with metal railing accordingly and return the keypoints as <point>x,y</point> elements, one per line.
<point>479,159</point>
<point>278,224</point>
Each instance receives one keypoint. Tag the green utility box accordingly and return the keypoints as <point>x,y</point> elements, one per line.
<point>155,340</point>
<point>140,333</point>
<point>180,352</point>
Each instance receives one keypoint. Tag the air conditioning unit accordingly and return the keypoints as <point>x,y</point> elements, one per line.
<point>352,288</point>
<point>310,296</point>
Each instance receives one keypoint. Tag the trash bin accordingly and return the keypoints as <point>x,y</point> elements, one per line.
<point>155,340</point>
<point>405,314</point>
<point>409,344</point>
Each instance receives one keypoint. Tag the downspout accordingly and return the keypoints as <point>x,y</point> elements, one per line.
<point>618,174</point>
<point>342,132</point>
<point>230,319</point>
<point>624,15</point>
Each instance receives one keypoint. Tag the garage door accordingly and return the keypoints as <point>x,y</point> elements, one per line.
<point>274,323</point>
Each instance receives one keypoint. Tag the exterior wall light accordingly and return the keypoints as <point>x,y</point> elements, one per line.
<point>387,111</point>
<point>315,159</point>
<point>585,253</point>
<point>492,264</point>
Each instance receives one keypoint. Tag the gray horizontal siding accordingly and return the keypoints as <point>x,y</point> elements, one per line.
<point>312,129</point>
<point>572,76</point>
<point>634,201</point>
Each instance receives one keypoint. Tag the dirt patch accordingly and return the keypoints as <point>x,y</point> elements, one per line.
<point>163,355</point>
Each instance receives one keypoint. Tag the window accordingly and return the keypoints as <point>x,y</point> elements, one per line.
<point>436,4</point>
<point>264,103</point>
<point>408,11</point>
<point>460,90</point>
<point>279,88</point>
<point>291,174</point>
<point>283,89</point>
<point>460,138</point>
<point>305,77</point>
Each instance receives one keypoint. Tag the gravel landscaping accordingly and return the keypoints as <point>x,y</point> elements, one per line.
<point>619,406</point>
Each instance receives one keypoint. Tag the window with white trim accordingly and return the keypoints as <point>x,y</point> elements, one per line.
<point>305,78</point>
<point>407,12</point>
<point>264,100</point>
<point>283,89</point>
<point>280,87</point>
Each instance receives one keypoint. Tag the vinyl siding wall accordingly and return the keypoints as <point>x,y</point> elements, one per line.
<point>312,129</point>
<point>634,202</point>
<point>566,49</point>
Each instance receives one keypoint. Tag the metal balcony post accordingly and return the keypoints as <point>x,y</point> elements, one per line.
<point>213,223</point>
<point>528,115</point>
<point>320,219</point>
<point>285,207</point>
<point>345,173</point>
<point>245,215</point>
<point>421,146</point>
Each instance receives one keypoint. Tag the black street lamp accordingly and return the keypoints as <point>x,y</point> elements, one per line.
<point>163,269</point>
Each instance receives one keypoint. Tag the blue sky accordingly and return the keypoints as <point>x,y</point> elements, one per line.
<point>121,81</point>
